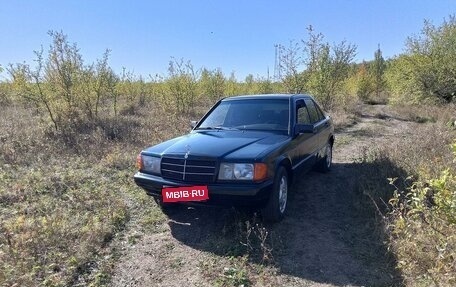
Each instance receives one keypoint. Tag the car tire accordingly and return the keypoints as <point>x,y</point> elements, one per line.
<point>325,164</point>
<point>276,206</point>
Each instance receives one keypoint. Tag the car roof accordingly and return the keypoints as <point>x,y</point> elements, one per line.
<point>267,96</point>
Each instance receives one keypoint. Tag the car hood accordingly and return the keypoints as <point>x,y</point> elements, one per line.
<point>221,144</point>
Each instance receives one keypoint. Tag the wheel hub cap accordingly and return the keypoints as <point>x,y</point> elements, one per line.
<point>283,192</point>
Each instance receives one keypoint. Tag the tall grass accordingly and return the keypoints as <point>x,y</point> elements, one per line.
<point>411,181</point>
<point>64,196</point>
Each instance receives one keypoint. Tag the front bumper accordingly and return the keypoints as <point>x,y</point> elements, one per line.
<point>226,193</point>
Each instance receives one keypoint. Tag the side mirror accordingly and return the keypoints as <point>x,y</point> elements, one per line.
<point>303,129</point>
<point>193,124</point>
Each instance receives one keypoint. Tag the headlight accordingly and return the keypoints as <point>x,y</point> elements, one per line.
<point>150,164</point>
<point>243,171</point>
<point>236,171</point>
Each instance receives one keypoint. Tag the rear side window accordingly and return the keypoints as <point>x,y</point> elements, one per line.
<point>303,116</point>
<point>321,114</point>
<point>314,112</point>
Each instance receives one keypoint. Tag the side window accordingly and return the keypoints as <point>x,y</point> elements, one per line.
<point>321,115</point>
<point>314,117</point>
<point>303,116</point>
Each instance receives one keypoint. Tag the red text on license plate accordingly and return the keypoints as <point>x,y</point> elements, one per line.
<point>185,193</point>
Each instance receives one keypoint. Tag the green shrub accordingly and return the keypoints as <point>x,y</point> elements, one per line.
<point>418,209</point>
<point>212,84</point>
<point>424,228</point>
<point>182,85</point>
<point>67,93</point>
<point>366,85</point>
<point>428,68</point>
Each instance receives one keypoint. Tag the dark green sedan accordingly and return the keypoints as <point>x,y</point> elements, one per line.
<point>245,151</point>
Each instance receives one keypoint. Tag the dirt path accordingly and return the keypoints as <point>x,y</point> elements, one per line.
<point>323,241</point>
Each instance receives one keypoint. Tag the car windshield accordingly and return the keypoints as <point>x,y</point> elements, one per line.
<point>245,114</point>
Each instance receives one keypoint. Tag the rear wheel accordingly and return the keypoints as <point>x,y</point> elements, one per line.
<point>277,204</point>
<point>324,165</point>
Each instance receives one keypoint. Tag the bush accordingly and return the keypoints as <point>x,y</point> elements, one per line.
<point>428,69</point>
<point>365,85</point>
<point>63,89</point>
<point>212,84</point>
<point>183,86</point>
<point>426,212</point>
<point>418,206</point>
<point>5,94</point>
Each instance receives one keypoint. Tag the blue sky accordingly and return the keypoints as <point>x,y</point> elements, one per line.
<point>232,35</point>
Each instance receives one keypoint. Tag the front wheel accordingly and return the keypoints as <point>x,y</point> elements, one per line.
<point>276,207</point>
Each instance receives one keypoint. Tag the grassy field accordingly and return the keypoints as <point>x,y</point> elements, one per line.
<point>64,197</point>
<point>67,200</point>
<point>71,215</point>
<point>417,203</point>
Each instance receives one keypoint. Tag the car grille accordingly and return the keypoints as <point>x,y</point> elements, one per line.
<point>189,170</point>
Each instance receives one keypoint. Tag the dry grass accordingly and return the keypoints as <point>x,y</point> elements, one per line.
<point>58,208</point>
<point>444,114</point>
<point>420,236</point>
<point>64,196</point>
<point>343,119</point>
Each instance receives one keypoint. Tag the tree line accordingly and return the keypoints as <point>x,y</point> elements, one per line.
<point>68,91</point>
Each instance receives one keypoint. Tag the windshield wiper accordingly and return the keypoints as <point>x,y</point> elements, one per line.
<point>220,128</point>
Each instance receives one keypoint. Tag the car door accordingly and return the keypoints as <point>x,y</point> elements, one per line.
<point>322,127</point>
<point>304,143</point>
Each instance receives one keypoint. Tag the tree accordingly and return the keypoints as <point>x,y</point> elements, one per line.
<point>365,83</point>
<point>95,86</point>
<point>327,66</point>
<point>316,66</point>
<point>290,65</point>
<point>232,86</point>
<point>4,91</point>
<point>428,68</point>
<point>378,69</point>
<point>30,85</point>
<point>62,71</point>
<point>131,88</point>
<point>265,85</point>
<point>402,84</point>
<point>182,81</point>
<point>61,86</point>
<point>249,85</point>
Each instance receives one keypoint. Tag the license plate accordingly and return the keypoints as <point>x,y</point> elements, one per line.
<point>185,193</point>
